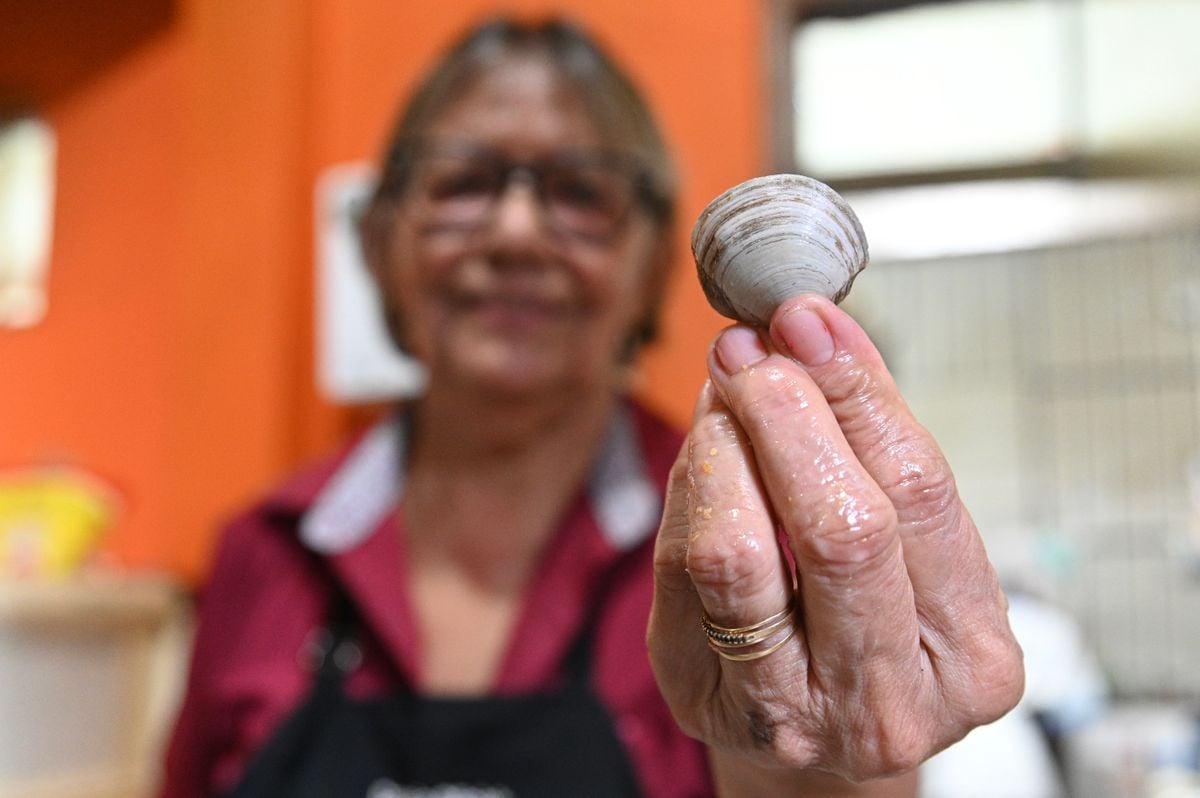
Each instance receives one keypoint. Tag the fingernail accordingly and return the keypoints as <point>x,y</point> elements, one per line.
<point>805,336</point>
<point>738,348</point>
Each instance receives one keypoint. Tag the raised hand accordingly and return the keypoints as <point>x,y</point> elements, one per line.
<point>807,483</point>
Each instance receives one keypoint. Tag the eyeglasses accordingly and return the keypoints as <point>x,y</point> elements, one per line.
<point>582,195</point>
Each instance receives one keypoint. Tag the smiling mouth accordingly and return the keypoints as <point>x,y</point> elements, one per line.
<point>516,310</point>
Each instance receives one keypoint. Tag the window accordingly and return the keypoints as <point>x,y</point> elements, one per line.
<point>882,93</point>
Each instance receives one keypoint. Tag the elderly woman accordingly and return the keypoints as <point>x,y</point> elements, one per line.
<point>458,602</point>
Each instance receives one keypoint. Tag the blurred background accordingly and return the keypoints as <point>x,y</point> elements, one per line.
<point>183,318</point>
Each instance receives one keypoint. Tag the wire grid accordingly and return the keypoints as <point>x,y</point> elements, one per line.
<point>1064,386</point>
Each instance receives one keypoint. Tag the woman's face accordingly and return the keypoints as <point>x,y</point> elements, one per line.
<point>520,286</point>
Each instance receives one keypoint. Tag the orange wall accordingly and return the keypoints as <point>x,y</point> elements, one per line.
<point>177,357</point>
<point>87,385</point>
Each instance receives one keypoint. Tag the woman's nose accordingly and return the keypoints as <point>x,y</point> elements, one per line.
<point>517,214</point>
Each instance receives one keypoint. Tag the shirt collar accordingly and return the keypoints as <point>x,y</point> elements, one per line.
<point>368,485</point>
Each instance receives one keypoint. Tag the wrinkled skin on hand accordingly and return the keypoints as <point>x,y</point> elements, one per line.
<point>801,441</point>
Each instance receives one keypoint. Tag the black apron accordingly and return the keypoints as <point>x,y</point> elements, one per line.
<point>551,744</point>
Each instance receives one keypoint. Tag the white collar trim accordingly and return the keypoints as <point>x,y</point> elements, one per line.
<point>361,493</point>
<point>369,484</point>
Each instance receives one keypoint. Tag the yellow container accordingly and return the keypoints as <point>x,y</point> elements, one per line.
<point>50,521</point>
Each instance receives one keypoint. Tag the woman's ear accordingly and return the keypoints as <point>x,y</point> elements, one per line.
<point>659,266</point>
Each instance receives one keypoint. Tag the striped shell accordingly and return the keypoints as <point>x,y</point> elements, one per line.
<point>772,238</point>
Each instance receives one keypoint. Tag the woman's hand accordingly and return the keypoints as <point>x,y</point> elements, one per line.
<point>901,641</point>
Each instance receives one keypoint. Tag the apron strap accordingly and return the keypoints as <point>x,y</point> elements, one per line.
<point>337,652</point>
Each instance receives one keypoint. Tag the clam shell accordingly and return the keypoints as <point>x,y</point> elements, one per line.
<point>772,238</point>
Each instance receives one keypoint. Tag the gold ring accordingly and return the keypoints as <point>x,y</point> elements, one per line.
<point>721,638</point>
<point>752,655</point>
<point>740,637</point>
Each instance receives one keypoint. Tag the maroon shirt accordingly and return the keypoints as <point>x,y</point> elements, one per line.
<point>342,520</point>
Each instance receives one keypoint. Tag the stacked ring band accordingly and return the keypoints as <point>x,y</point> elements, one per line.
<point>726,640</point>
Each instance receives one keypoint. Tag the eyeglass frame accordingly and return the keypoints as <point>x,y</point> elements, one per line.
<point>396,180</point>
